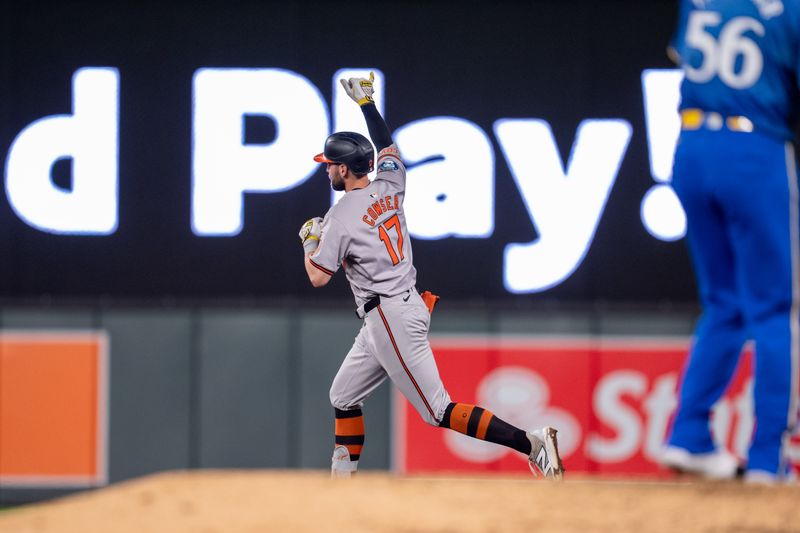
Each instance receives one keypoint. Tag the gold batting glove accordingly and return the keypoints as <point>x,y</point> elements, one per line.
<point>360,90</point>
<point>310,233</point>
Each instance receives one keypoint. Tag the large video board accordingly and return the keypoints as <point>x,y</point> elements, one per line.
<point>167,152</point>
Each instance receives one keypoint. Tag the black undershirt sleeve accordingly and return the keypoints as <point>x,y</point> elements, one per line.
<point>378,130</point>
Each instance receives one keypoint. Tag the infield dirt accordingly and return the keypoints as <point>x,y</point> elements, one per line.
<point>299,501</point>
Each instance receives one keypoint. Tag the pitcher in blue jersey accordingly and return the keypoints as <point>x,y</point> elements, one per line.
<point>735,175</point>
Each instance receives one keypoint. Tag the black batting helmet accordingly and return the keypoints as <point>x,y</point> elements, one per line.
<point>350,148</point>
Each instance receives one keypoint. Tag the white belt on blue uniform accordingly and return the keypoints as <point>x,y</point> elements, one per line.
<point>695,119</point>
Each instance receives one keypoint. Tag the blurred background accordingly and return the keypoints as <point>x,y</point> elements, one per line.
<point>154,310</point>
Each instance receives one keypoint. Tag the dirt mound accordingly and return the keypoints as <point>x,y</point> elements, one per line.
<point>298,501</point>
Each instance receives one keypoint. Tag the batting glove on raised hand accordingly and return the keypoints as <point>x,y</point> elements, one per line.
<point>310,233</point>
<point>360,89</point>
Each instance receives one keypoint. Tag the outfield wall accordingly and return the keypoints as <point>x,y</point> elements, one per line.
<point>211,387</point>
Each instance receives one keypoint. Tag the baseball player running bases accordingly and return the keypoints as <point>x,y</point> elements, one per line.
<point>365,233</point>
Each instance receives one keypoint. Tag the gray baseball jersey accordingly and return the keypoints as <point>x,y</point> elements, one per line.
<point>366,234</point>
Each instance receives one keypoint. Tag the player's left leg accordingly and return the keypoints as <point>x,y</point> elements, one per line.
<point>399,335</point>
<point>540,446</point>
<point>398,332</point>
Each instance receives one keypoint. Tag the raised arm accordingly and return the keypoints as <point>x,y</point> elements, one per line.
<point>378,130</point>
<point>360,90</point>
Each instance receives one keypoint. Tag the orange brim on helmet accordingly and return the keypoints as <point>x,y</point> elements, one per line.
<point>320,158</point>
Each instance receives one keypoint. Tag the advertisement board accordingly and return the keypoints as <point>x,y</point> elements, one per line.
<point>54,421</point>
<point>611,399</point>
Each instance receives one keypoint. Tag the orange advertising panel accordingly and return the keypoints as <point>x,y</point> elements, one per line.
<point>53,409</point>
<point>612,400</point>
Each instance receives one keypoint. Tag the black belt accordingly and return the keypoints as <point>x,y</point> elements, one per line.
<point>375,301</point>
<point>372,303</point>
<point>369,305</point>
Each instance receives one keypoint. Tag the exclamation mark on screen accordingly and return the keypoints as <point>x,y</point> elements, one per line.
<point>661,212</point>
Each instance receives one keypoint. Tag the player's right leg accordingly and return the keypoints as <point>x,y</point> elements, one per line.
<point>359,375</point>
<point>719,335</point>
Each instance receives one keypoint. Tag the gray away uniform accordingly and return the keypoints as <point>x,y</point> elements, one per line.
<point>365,232</point>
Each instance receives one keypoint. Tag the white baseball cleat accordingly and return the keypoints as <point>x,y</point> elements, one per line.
<point>760,477</point>
<point>764,478</point>
<point>719,464</point>
<point>544,459</point>
<point>341,465</point>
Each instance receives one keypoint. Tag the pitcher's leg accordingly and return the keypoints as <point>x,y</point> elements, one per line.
<point>712,361</point>
<point>720,334</point>
<point>769,250</point>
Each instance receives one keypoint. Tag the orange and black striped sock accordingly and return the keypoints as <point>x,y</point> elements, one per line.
<point>349,431</point>
<point>482,424</point>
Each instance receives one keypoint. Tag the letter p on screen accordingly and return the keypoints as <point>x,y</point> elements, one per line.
<point>228,162</point>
